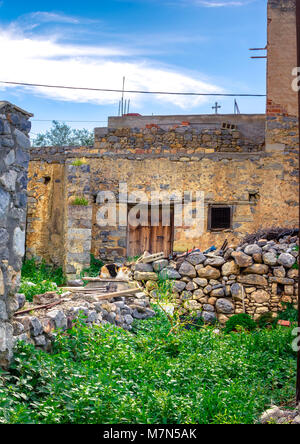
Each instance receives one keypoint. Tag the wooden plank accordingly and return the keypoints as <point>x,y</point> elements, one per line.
<point>95,279</point>
<point>153,257</point>
<point>118,293</point>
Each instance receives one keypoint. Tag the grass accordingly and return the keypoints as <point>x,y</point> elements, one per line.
<point>78,162</point>
<point>107,375</point>
<point>79,201</point>
<point>38,277</point>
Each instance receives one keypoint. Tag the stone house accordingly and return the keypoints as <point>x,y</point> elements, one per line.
<point>245,166</point>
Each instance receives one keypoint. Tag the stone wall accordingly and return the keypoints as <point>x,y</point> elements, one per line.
<point>14,158</point>
<point>255,278</point>
<point>255,184</point>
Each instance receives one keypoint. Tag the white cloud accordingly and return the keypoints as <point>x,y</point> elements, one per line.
<point>47,60</point>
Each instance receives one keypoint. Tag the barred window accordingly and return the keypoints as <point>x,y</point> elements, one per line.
<point>219,217</point>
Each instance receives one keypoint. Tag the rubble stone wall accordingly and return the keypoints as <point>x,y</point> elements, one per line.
<point>253,278</point>
<point>14,158</point>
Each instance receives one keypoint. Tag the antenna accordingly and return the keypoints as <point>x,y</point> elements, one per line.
<point>236,107</point>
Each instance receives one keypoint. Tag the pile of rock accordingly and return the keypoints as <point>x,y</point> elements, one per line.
<point>40,329</point>
<point>253,278</point>
<point>277,416</point>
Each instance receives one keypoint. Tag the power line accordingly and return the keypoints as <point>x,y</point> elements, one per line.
<point>134,91</point>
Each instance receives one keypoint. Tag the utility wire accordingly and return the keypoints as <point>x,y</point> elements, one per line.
<point>134,91</point>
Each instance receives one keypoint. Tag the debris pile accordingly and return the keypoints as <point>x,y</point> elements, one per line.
<point>37,322</point>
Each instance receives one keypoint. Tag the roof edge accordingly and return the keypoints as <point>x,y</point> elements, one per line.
<point>17,108</point>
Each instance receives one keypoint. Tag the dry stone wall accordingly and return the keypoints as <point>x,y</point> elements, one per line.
<point>253,278</point>
<point>14,158</point>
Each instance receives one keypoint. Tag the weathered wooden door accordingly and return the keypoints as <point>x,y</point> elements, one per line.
<point>153,239</point>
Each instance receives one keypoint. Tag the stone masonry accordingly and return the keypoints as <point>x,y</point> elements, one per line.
<point>14,158</point>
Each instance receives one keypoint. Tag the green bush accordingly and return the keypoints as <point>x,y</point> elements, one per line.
<point>289,313</point>
<point>105,375</point>
<point>94,269</point>
<point>44,277</point>
<point>240,320</point>
<point>80,201</point>
<point>267,320</point>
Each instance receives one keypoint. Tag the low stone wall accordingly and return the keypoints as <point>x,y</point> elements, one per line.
<point>253,278</point>
<point>14,158</point>
<point>40,327</point>
<point>154,140</point>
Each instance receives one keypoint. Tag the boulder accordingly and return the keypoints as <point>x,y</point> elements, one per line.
<point>144,268</point>
<point>237,292</point>
<point>191,286</point>
<point>208,317</point>
<point>253,280</point>
<point>279,272</point>
<point>293,274</point>
<point>252,249</point>
<point>145,276</point>
<point>224,306</point>
<point>270,259</point>
<point>187,269</point>
<point>260,296</point>
<point>230,268</point>
<point>160,265</point>
<point>200,282</point>
<point>216,261</point>
<point>59,318</point>
<point>179,286</point>
<point>169,273</point>
<point>218,293</point>
<point>208,307</point>
<point>198,294</point>
<point>242,259</point>
<point>257,269</point>
<point>287,260</point>
<point>208,272</point>
<point>196,258</point>
<point>75,283</point>
<point>36,327</point>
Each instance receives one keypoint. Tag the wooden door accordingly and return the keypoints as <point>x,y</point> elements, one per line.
<point>153,239</point>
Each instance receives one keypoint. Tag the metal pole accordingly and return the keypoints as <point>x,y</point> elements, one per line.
<point>298,57</point>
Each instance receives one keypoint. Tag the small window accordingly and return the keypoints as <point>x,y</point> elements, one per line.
<point>219,218</point>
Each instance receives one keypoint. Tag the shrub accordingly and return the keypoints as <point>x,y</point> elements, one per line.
<point>106,375</point>
<point>38,277</point>
<point>267,320</point>
<point>80,201</point>
<point>78,162</point>
<point>94,269</point>
<point>289,313</point>
<point>240,320</point>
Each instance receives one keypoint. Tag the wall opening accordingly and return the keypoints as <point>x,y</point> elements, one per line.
<point>219,218</point>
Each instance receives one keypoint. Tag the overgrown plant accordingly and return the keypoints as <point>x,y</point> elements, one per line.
<point>80,201</point>
<point>106,375</point>
<point>39,277</point>
<point>94,269</point>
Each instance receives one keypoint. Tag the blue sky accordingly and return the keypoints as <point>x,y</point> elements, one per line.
<point>173,45</point>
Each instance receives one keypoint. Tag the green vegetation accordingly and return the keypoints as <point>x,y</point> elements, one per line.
<point>78,162</point>
<point>81,201</point>
<point>94,268</point>
<point>38,277</point>
<point>107,375</point>
<point>236,322</point>
<point>61,134</point>
<point>289,313</point>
